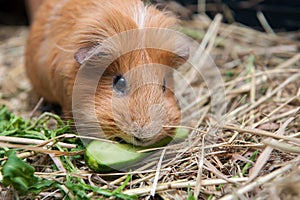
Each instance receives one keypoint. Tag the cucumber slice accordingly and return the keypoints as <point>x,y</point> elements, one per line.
<point>101,156</point>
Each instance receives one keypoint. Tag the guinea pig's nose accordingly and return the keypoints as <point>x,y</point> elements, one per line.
<point>142,134</point>
<point>137,139</point>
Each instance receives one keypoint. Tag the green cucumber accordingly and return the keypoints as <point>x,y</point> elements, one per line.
<point>101,156</point>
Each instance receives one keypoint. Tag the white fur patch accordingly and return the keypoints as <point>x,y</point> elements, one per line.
<point>139,15</point>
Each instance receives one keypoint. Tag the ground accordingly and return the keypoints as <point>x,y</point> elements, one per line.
<point>255,150</point>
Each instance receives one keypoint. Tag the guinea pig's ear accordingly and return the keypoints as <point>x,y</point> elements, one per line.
<point>85,53</point>
<point>182,55</point>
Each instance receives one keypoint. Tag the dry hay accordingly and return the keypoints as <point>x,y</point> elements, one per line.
<point>254,154</point>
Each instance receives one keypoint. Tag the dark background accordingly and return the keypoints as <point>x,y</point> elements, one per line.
<point>282,15</point>
<point>13,12</point>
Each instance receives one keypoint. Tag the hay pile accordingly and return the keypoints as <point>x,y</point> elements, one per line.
<point>253,154</point>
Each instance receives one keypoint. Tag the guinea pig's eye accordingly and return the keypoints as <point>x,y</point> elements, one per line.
<point>164,85</point>
<point>119,84</point>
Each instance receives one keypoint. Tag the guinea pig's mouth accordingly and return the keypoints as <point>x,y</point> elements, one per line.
<point>136,141</point>
<point>141,141</point>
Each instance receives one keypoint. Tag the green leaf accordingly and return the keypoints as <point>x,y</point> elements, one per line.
<point>190,194</point>
<point>119,189</point>
<point>250,66</point>
<point>20,175</point>
<point>248,165</point>
<point>80,189</point>
<point>77,189</point>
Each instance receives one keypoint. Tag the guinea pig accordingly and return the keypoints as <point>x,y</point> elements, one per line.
<point>134,99</point>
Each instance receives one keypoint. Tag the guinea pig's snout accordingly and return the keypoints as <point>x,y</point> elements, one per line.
<point>151,126</point>
<point>139,137</point>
